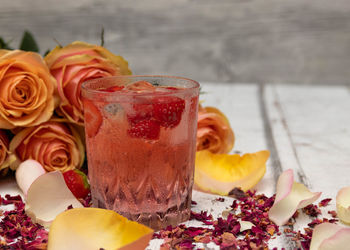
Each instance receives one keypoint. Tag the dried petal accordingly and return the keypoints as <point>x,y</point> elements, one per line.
<point>343,204</point>
<point>290,196</point>
<point>48,196</point>
<point>328,236</point>
<point>220,173</point>
<point>95,228</point>
<point>26,174</point>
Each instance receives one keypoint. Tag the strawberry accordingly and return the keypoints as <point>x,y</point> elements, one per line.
<point>142,111</point>
<point>77,183</point>
<point>113,88</point>
<point>146,129</point>
<point>168,110</point>
<point>92,117</point>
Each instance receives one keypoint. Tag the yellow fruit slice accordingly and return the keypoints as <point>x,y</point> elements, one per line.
<point>95,228</point>
<point>220,173</point>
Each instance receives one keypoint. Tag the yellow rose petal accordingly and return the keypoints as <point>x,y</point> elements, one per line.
<point>95,228</point>
<point>220,173</point>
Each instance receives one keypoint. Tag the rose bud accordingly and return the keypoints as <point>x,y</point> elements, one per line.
<point>27,90</point>
<point>214,132</point>
<point>55,145</point>
<point>76,63</point>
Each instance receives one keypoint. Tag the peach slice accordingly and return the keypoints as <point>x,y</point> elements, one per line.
<point>220,173</point>
<point>328,236</point>
<point>343,204</point>
<point>96,228</point>
<point>290,196</point>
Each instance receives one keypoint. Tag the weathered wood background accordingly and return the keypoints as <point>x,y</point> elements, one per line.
<point>284,41</point>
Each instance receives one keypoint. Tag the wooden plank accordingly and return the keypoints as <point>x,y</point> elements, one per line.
<point>311,129</point>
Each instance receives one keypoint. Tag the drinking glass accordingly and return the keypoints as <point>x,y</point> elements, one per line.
<point>141,144</point>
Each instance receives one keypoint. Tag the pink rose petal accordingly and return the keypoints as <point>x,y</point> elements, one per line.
<point>343,204</point>
<point>290,196</point>
<point>329,236</point>
<point>47,197</point>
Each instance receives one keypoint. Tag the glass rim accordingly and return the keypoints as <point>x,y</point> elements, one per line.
<point>90,91</point>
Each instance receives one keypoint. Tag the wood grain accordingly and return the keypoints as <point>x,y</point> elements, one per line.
<point>311,129</point>
<point>277,41</point>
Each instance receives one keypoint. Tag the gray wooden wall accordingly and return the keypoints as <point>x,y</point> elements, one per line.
<point>293,41</point>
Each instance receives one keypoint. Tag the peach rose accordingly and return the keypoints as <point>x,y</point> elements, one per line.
<point>56,145</point>
<point>214,132</point>
<point>26,89</point>
<point>5,157</point>
<point>76,63</point>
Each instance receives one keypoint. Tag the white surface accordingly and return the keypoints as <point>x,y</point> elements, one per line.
<point>310,128</point>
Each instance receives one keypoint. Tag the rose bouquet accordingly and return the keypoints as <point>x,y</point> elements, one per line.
<point>41,115</point>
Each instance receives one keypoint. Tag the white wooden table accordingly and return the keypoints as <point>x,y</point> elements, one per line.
<point>306,128</point>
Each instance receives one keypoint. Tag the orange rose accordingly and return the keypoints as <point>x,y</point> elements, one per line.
<point>76,63</point>
<point>26,89</point>
<point>214,132</point>
<point>56,145</point>
<point>5,157</point>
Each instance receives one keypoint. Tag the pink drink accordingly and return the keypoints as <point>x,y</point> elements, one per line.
<point>141,143</point>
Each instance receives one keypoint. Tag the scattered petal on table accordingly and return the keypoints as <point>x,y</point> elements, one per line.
<point>95,228</point>
<point>290,196</point>
<point>245,225</point>
<point>343,204</point>
<point>47,197</point>
<point>220,173</point>
<point>27,172</point>
<point>329,236</point>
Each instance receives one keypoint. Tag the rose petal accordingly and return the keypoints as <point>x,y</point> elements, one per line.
<point>95,228</point>
<point>220,173</point>
<point>48,196</point>
<point>27,172</point>
<point>343,204</point>
<point>329,236</point>
<point>290,196</point>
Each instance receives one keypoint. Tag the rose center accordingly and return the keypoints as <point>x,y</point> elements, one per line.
<point>60,159</point>
<point>22,92</point>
